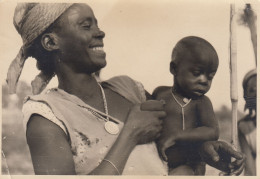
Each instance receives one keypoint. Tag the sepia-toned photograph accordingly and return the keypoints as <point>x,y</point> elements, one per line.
<point>128,87</point>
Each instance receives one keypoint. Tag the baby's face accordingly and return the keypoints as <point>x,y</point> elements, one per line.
<point>194,74</point>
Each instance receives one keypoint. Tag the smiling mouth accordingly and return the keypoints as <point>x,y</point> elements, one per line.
<point>97,48</point>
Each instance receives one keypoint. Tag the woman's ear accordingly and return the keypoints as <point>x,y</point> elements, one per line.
<point>173,68</point>
<point>50,41</point>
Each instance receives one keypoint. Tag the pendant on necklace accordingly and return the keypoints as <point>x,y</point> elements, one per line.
<point>111,127</point>
<point>185,100</point>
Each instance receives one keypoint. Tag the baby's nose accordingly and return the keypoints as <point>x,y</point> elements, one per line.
<point>203,80</point>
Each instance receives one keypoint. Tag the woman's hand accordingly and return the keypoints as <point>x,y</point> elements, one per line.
<point>144,123</point>
<point>218,154</point>
<point>164,144</point>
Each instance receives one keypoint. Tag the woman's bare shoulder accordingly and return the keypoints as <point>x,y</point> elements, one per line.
<point>47,139</point>
<point>40,126</point>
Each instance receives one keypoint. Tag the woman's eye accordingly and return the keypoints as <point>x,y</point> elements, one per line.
<point>86,26</point>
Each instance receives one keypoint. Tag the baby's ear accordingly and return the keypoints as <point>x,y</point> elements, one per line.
<point>173,68</point>
<point>50,41</point>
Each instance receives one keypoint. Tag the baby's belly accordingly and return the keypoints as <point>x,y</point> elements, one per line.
<point>180,154</point>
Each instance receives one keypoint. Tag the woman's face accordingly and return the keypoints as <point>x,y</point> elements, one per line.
<point>250,93</point>
<point>80,40</point>
<point>251,87</point>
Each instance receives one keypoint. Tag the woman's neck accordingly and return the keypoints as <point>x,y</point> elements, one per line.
<point>82,85</point>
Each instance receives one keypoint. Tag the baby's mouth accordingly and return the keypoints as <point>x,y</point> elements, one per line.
<point>199,92</point>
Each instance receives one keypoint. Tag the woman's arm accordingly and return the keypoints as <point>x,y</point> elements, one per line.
<point>141,127</point>
<point>118,155</point>
<point>49,147</point>
<point>209,129</point>
<point>51,152</point>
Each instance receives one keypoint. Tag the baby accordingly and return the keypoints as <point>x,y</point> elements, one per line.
<point>190,117</point>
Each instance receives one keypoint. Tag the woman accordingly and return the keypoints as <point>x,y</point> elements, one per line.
<point>70,129</point>
<point>247,125</point>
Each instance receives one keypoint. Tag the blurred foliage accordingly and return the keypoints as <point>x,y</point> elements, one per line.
<point>224,113</point>
<point>23,90</point>
<point>15,153</point>
<point>248,17</point>
<point>224,116</point>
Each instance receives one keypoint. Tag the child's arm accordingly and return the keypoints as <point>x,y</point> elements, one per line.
<point>209,129</point>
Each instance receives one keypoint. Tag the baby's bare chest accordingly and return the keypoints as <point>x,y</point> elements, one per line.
<point>181,117</point>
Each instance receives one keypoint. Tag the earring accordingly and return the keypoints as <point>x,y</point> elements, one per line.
<point>59,61</point>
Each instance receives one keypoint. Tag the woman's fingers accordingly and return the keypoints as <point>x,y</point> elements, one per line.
<point>162,152</point>
<point>159,114</point>
<point>145,126</point>
<point>152,105</point>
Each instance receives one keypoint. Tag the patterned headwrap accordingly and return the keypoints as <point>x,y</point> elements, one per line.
<point>31,20</point>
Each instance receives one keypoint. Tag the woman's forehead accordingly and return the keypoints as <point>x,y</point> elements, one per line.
<point>78,12</point>
<point>252,80</point>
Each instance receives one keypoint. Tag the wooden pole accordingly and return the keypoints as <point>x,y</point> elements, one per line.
<point>233,74</point>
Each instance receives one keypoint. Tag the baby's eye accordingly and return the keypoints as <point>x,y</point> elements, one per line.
<point>86,26</point>
<point>196,73</point>
<point>211,76</point>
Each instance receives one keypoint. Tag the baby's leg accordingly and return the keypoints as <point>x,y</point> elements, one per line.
<point>182,170</point>
<point>200,168</point>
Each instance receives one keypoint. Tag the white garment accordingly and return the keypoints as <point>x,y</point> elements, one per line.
<point>142,160</point>
<point>251,140</point>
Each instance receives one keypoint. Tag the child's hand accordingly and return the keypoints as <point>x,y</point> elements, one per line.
<point>164,145</point>
<point>218,154</point>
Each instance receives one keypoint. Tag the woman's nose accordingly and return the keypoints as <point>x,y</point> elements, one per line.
<point>99,34</point>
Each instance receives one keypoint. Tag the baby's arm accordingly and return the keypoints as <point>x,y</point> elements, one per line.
<point>209,129</point>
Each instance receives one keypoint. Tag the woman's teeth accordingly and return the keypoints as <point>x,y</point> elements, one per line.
<point>97,48</point>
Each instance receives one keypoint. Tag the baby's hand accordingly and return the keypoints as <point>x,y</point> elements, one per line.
<point>164,145</point>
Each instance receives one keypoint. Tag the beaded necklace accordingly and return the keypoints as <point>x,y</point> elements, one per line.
<point>186,101</point>
<point>111,127</point>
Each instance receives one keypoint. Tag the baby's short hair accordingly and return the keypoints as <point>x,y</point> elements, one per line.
<point>191,44</point>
